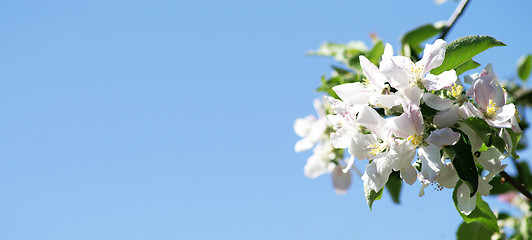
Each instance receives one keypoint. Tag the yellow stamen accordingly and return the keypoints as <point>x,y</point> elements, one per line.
<point>491,109</point>
<point>456,90</point>
<point>415,139</point>
<point>517,115</point>
<point>376,148</point>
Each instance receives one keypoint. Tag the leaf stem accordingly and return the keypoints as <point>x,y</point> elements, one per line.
<point>520,187</point>
<point>456,14</point>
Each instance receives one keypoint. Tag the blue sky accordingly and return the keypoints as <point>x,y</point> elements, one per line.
<point>173,119</point>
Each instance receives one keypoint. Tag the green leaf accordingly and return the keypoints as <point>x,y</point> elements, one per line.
<point>464,163</point>
<point>499,143</point>
<point>374,55</point>
<point>371,195</point>
<point>466,67</point>
<point>420,34</point>
<point>524,65</point>
<point>481,128</point>
<point>331,49</point>
<point>499,187</point>
<point>473,231</point>
<point>394,186</point>
<point>526,174</point>
<point>515,140</point>
<point>463,49</point>
<point>482,213</point>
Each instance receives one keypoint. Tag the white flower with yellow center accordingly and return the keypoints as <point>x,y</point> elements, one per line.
<point>404,73</point>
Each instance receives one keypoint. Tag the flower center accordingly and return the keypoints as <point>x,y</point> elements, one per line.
<point>415,139</point>
<point>456,90</point>
<point>490,111</point>
<point>376,148</point>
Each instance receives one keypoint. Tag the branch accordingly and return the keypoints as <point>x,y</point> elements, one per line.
<point>516,185</point>
<point>457,13</point>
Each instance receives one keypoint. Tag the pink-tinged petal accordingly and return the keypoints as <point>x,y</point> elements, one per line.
<point>433,55</point>
<point>377,174</point>
<point>354,93</point>
<point>498,124</point>
<point>386,101</point>
<point>447,118</point>
<point>515,125</point>
<point>465,203</point>
<point>483,92</point>
<point>469,110</point>
<point>474,139</point>
<point>435,102</point>
<point>430,163</point>
<point>302,126</point>
<point>372,72</point>
<point>341,180</point>
<point>412,95</point>
<point>402,126</point>
<point>443,137</point>
<point>437,82</point>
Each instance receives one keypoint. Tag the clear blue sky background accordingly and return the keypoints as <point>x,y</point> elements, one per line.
<point>143,119</point>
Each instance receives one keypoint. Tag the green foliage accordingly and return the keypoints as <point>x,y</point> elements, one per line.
<point>463,49</point>
<point>473,231</point>
<point>515,140</point>
<point>481,128</point>
<point>394,186</point>
<point>482,213</point>
<point>464,163</point>
<point>415,37</point>
<point>374,55</point>
<point>524,65</point>
<point>466,67</point>
<point>499,187</point>
<point>371,195</point>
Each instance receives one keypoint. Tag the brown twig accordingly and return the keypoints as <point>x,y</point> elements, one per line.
<point>520,187</point>
<point>456,14</point>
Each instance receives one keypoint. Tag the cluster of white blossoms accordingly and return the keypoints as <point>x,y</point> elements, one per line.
<point>381,120</point>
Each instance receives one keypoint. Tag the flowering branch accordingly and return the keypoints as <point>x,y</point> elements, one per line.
<point>517,185</point>
<point>457,13</point>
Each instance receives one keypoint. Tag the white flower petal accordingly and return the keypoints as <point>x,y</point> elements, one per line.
<point>433,55</point>
<point>474,139</point>
<point>303,145</point>
<point>302,126</point>
<point>447,176</point>
<point>315,166</point>
<point>465,203</point>
<point>435,102</point>
<point>377,174</point>
<point>372,72</point>
<point>430,163</point>
<point>443,137</point>
<point>386,101</point>
<point>354,93</point>
<point>444,80</point>
<point>448,117</point>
